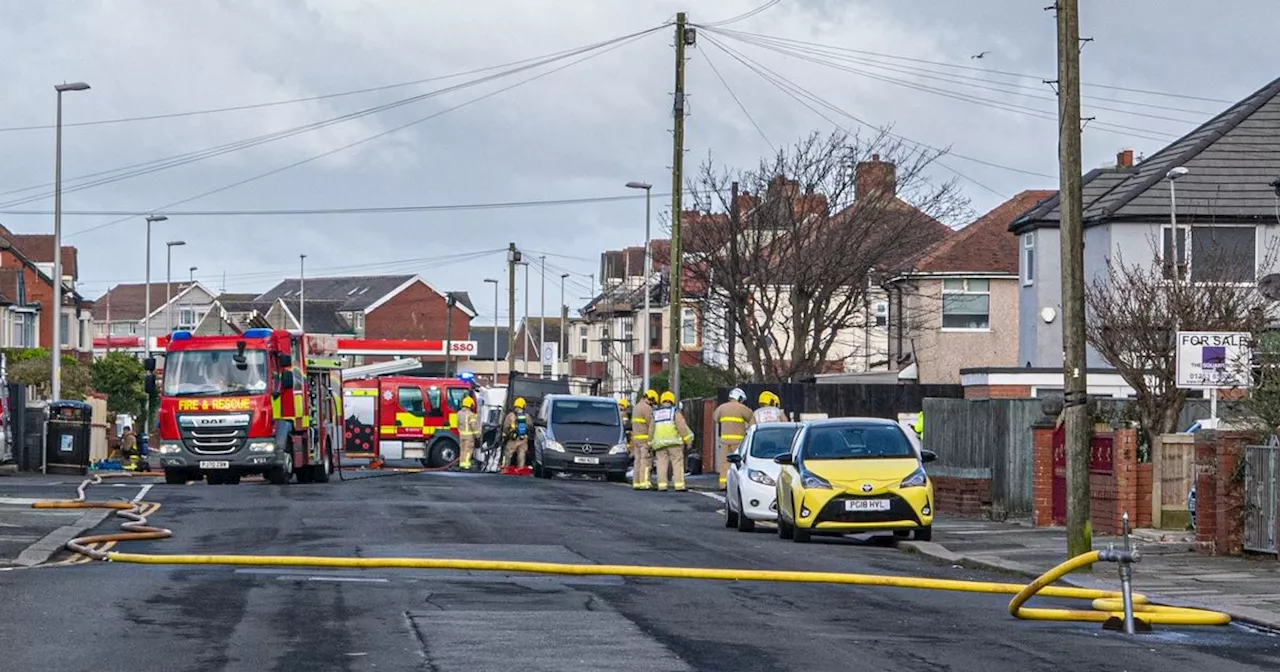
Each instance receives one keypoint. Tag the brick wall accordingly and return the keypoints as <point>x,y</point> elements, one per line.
<point>1145,481</point>
<point>962,496</point>
<point>417,312</point>
<point>998,392</point>
<point>1127,489</point>
<point>39,291</point>
<point>1219,494</point>
<point>1042,475</point>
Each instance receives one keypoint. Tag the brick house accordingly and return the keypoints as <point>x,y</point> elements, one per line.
<point>956,305</point>
<point>26,294</point>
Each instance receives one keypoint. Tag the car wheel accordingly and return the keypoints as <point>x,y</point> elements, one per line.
<point>800,535</point>
<point>731,517</point>
<point>784,528</point>
<point>306,475</point>
<point>924,533</point>
<point>174,477</point>
<point>745,524</point>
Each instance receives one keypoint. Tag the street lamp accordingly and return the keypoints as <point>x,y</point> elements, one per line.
<point>55,371</point>
<point>146,318</point>
<point>302,293</point>
<point>495,328</point>
<point>648,191</point>
<point>168,283</point>
<point>524,368</point>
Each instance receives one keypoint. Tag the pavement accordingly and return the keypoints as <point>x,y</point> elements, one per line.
<point>30,536</point>
<point>1170,571</point>
<point>118,616</point>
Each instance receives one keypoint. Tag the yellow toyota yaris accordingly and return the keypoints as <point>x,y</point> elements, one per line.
<point>849,475</point>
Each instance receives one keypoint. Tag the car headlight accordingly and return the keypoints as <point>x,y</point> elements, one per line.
<point>917,479</point>
<point>618,449</point>
<point>760,477</point>
<point>170,449</point>
<point>554,446</point>
<point>812,481</point>
<point>262,447</point>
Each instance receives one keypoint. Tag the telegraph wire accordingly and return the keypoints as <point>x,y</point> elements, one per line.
<point>746,15</point>
<point>707,56</point>
<point>378,135</point>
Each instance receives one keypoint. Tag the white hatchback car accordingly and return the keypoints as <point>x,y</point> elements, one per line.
<point>750,490</point>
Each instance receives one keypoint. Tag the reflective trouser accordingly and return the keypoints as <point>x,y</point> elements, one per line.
<point>468,446</point>
<point>516,447</point>
<point>726,446</point>
<point>643,466</point>
<point>673,457</point>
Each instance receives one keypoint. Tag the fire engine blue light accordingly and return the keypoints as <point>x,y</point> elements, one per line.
<point>466,375</point>
<point>180,336</point>
<point>257,333</point>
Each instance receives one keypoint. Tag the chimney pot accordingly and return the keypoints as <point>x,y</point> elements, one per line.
<point>1124,159</point>
<point>875,157</point>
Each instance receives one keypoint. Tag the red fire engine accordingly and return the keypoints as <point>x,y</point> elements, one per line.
<point>267,401</point>
<point>404,418</point>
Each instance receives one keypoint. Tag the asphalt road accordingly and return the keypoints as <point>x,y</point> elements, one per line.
<point>134,617</point>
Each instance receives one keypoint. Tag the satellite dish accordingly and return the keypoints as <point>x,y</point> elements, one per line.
<point>1269,286</point>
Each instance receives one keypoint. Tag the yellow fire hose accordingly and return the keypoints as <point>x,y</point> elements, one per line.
<point>1106,604</point>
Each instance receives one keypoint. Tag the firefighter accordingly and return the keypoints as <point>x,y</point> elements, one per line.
<point>918,426</point>
<point>468,431</point>
<point>516,432</point>
<point>130,456</point>
<point>769,408</point>
<point>624,407</point>
<point>671,436</point>
<point>732,419</point>
<point>641,440</point>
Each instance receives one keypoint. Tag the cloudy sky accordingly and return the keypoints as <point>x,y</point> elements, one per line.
<point>577,133</point>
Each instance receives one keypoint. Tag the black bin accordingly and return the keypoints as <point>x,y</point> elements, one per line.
<point>67,447</point>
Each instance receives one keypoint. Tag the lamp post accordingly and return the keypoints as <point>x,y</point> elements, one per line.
<point>1173,175</point>
<point>168,283</point>
<point>648,191</point>
<point>55,371</point>
<point>542,319</point>
<point>525,341</point>
<point>564,327</point>
<point>302,293</point>
<point>146,317</point>
<point>494,281</point>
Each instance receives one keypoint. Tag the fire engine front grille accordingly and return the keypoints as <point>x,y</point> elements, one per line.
<point>222,438</point>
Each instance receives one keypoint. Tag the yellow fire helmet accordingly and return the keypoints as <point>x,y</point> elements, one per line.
<point>624,403</point>
<point>766,398</point>
<point>668,398</point>
<point>651,395</point>
<point>468,402</point>
<point>519,403</point>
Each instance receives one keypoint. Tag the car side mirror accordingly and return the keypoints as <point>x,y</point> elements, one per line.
<point>149,384</point>
<point>286,380</point>
<point>733,458</point>
<point>927,456</point>
<point>784,458</point>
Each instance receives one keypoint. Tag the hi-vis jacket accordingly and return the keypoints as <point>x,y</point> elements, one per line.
<point>670,428</point>
<point>733,418</point>
<point>468,426</point>
<point>641,419</point>
<point>769,414</point>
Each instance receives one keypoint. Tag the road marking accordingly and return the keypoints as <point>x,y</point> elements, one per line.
<point>713,495</point>
<point>141,493</point>
<point>345,579</point>
<point>19,501</point>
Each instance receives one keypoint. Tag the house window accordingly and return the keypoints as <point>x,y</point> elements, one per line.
<point>966,304</point>
<point>688,327</point>
<point>1223,254</point>
<point>628,336</point>
<point>655,330</point>
<point>24,330</point>
<point>64,325</point>
<point>882,314</point>
<point>604,342</point>
<point>186,318</point>
<point>1028,259</point>
<point>583,343</point>
<point>1173,251</point>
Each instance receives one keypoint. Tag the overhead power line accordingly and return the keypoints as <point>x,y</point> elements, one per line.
<point>737,100</point>
<point>126,172</point>
<point>614,45</point>
<point>746,15</point>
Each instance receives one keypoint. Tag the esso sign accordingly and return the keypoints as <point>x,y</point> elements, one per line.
<point>462,347</point>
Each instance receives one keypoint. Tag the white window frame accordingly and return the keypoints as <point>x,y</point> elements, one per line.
<point>880,312</point>
<point>584,340</point>
<point>24,328</point>
<point>688,320</point>
<point>1188,231</point>
<point>186,312</point>
<point>1029,259</point>
<point>64,330</point>
<point>966,291</point>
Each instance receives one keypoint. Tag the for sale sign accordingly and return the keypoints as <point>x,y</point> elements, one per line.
<point>1212,359</point>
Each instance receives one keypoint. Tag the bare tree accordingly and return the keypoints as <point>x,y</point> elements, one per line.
<point>795,263</point>
<point>1133,312</point>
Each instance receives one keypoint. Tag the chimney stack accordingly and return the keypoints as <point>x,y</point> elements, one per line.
<point>1124,159</point>
<point>874,176</point>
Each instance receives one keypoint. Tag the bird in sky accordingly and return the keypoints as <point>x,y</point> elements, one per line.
<point>980,55</point>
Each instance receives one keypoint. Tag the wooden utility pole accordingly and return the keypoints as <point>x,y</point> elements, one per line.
<point>684,35</point>
<point>730,319</point>
<point>1074,365</point>
<point>513,257</point>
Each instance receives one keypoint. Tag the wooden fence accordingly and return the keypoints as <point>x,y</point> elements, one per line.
<point>985,439</point>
